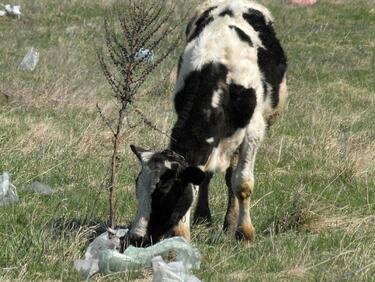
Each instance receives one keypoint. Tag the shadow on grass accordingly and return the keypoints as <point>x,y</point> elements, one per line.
<point>96,227</point>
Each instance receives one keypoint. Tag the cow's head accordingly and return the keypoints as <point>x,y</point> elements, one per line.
<point>164,190</point>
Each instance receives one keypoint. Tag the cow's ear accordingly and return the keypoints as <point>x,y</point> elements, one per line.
<point>193,175</point>
<point>143,155</point>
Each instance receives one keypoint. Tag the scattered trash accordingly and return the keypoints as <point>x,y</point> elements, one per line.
<point>174,271</point>
<point>111,261</point>
<point>107,241</point>
<point>30,61</point>
<point>304,2</point>
<point>8,193</point>
<point>11,10</point>
<point>144,55</point>
<point>41,188</point>
<point>103,256</point>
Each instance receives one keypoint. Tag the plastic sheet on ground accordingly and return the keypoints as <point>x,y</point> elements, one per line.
<point>111,261</point>
<point>30,61</point>
<point>89,266</point>
<point>174,271</point>
<point>40,188</point>
<point>8,193</point>
<point>103,256</point>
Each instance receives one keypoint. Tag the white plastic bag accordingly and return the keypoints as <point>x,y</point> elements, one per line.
<point>30,61</point>
<point>174,271</point>
<point>89,266</point>
<point>13,10</point>
<point>8,193</point>
<point>10,10</point>
<point>144,54</point>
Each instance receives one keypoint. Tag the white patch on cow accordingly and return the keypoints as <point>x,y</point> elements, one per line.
<point>216,98</point>
<point>235,6</point>
<point>146,156</point>
<point>168,164</point>
<point>210,140</point>
<point>220,157</point>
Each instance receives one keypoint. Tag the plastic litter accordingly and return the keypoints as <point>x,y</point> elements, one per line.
<point>11,10</point>
<point>8,193</point>
<point>304,2</point>
<point>174,271</point>
<point>30,61</point>
<point>106,241</point>
<point>41,188</point>
<point>144,55</point>
<point>111,261</point>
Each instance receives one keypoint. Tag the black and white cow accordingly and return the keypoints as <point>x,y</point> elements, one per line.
<point>231,84</point>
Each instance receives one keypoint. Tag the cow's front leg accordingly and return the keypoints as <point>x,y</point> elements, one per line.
<point>231,216</point>
<point>182,228</point>
<point>243,180</point>
<point>202,212</point>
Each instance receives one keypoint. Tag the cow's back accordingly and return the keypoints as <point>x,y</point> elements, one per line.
<point>232,69</point>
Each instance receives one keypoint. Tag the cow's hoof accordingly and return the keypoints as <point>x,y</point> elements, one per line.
<point>245,234</point>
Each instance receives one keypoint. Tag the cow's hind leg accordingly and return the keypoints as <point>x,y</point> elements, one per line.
<point>202,212</point>
<point>243,177</point>
<point>231,217</point>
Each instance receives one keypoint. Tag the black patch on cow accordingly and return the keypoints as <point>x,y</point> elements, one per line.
<point>265,89</point>
<point>189,27</point>
<point>242,35</point>
<point>227,12</point>
<point>198,121</point>
<point>243,103</point>
<point>271,59</point>
<point>203,20</point>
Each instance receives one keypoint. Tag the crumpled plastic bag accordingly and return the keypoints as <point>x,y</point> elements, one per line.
<point>111,261</point>
<point>8,192</point>
<point>144,54</point>
<point>174,271</point>
<point>89,266</point>
<point>11,10</point>
<point>30,61</point>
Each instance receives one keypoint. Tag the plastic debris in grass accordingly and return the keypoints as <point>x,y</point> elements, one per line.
<point>30,61</point>
<point>174,271</point>
<point>40,188</point>
<point>8,193</point>
<point>11,10</point>
<point>111,261</point>
<point>144,55</point>
<point>304,2</point>
<point>109,240</point>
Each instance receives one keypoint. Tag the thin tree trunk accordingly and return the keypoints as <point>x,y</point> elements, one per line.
<point>114,165</point>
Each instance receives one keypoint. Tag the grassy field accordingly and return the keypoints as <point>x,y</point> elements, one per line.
<point>314,201</point>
